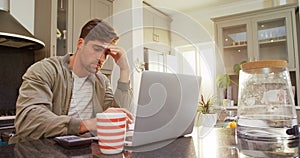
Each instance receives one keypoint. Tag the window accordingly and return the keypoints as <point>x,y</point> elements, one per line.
<point>199,61</point>
<point>188,60</point>
<point>156,61</point>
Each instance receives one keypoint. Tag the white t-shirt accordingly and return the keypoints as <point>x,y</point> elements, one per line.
<point>81,101</point>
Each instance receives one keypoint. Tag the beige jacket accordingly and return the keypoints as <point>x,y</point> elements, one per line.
<point>45,95</point>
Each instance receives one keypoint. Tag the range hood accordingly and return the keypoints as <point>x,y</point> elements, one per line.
<point>13,34</point>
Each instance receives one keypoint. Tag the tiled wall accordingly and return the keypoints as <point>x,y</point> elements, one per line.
<point>13,64</point>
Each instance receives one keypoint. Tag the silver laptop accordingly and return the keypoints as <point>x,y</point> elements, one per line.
<point>166,107</point>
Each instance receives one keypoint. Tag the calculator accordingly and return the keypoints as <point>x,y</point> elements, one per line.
<point>72,141</point>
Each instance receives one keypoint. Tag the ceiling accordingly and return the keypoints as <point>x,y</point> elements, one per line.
<point>188,5</point>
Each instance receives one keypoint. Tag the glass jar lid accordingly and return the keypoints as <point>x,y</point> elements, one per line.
<point>264,66</point>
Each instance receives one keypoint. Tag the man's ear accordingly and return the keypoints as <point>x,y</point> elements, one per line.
<point>80,43</point>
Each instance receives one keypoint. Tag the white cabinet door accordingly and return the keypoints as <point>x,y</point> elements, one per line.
<point>45,25</point>
<point>273,38</point>
<point>101,9</point>
<point>81,14</point>
<point>156,30</point>
<point>234,43</point>
<point>85,10</point>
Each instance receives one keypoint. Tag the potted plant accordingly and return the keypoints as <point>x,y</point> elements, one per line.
<point>237,67</point>
<point>206,115</point>
<point>223,81</point>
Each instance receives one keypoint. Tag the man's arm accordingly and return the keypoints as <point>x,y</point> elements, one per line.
<point>123,93</point>
<point>34,116</point>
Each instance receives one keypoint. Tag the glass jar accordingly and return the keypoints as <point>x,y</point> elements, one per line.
<point>266,108</point>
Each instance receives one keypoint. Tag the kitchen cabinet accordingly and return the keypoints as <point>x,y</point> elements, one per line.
<point>260,35</point>
<point>267,34</point>
<point>45,27</point>
<point>85,10</point>
<point>157,38</point>
<point>156,29</point>
<point>58,23</point>
<point>62,28</point>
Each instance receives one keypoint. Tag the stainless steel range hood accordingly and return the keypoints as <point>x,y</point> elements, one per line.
<point>13,34</point>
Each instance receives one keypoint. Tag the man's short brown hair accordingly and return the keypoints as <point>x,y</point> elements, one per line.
<point>97,29</point>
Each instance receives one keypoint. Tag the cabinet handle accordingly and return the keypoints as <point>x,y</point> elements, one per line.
<point>53,52</point>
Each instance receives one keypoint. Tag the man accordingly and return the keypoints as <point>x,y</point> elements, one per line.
<point>61,95</point>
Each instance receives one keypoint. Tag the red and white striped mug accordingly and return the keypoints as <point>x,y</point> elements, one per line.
<point>111,130</point>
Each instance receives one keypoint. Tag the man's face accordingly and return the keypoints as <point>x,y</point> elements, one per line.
<point>91,53</point>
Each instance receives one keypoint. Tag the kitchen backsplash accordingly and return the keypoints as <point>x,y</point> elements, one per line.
<point>14,63</point>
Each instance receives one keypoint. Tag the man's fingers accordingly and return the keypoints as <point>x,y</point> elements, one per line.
<point>130,117</point>
<point>115,55</point>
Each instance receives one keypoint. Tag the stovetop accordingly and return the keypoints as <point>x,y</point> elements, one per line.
<point>7,122</point>
<point>7,118</point>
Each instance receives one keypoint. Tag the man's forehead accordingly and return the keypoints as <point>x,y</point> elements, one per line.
<point>99,43</point>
